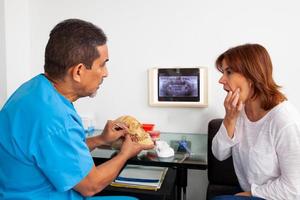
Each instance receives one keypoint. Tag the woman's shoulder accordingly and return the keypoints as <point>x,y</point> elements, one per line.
<point>283,115</point>
<point>285,110</point>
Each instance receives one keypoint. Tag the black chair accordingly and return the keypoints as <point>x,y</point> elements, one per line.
<point>221,176</point>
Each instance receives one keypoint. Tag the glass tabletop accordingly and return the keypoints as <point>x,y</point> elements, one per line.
<point>196,157</point>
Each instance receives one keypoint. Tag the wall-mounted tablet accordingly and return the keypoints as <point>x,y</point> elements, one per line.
<point>185,87</point>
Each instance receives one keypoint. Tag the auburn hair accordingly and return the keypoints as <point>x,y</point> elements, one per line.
<point>254,63</point>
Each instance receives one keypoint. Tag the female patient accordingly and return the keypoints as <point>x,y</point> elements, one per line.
<point>261,129</point>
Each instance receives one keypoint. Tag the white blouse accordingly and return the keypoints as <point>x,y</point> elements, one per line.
<point>266,153</point>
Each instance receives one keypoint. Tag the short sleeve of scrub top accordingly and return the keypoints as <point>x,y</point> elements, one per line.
<point>63,155</point>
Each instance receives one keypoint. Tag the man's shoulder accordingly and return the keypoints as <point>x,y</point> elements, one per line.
<point>38,98</point>
<point>30,90</point>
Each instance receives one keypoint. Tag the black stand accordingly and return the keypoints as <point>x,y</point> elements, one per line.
<point>181,183</point>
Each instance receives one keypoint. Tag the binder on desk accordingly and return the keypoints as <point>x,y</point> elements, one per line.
<point>141,177</point>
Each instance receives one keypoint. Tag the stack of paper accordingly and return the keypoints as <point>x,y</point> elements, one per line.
<point>141,177</point>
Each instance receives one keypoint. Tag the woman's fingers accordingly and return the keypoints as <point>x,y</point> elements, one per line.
<point>240,106</point>
<point>232,103</point>
<point>228,98</point>
<point>235,98</point>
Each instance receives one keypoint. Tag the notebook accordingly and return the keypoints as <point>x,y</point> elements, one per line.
<point>141,177</point>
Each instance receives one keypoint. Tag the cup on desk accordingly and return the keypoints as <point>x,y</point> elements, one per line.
<point>148,127</point>
<point>88,125</point>
<point>154,134</point>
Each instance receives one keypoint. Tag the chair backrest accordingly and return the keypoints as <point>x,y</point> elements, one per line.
<point>219,172</point>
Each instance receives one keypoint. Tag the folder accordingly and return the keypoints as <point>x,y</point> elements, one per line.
<point>141,177</point>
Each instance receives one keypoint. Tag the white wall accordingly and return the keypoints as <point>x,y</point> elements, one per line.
<point>156,33</point>
<point>145,34</point>
<point>17,43</point>
<point>3,85</point>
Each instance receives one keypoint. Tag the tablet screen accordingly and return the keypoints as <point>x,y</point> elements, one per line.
<point>178,84</point>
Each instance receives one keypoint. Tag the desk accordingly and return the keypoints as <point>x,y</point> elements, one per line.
<point>181,161</point>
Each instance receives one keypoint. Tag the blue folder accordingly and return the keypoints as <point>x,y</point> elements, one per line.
<point>120,178</point>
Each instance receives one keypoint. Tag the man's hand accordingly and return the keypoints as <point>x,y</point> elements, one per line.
<point>247,194</point>
<point>130,149</point>
<point>113,131</point>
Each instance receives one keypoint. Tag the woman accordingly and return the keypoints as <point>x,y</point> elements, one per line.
<point>261,129</point>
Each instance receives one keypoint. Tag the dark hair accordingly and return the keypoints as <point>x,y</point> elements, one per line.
<point>71,42</point>
<point>254,63</point>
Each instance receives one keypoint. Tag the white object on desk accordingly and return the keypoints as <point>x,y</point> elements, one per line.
<point>163,150</point>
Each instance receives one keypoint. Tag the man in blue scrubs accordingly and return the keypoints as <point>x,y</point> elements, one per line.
<point>43,150</point>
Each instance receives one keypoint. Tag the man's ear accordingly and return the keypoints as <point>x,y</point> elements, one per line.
<point>77,71</point>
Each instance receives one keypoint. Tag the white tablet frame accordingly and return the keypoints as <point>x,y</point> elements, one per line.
<point>153,90</point>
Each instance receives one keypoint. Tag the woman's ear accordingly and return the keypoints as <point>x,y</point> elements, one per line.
<point>251,84</point>
<point>77,71</point>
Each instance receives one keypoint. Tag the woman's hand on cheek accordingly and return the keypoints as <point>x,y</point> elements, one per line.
<point>233,105</point>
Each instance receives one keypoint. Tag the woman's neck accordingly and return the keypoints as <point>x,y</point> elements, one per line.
<point>254,111</point>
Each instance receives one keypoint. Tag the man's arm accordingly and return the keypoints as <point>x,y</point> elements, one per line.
<point>101,176</point>
<point>94,142</point>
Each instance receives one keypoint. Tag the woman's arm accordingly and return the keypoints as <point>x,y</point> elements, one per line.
<point>287,185</point>
<point>222,144</point>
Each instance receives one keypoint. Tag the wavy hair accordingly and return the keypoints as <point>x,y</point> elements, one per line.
<point>254,63</point>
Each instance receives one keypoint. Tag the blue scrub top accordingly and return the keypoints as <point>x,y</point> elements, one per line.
<point>43,153</point>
